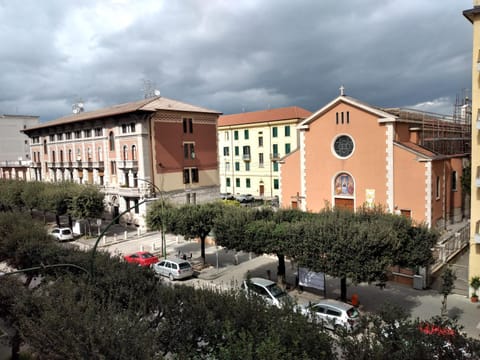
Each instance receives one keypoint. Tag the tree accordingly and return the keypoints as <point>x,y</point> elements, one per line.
<point>191,221</point>
<point>448,284</point>
<point>87,203</point>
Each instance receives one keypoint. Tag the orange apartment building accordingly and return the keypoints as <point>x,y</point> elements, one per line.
<point>126,148</point>
<point>353,154</point>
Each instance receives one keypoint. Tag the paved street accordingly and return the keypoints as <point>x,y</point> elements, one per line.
<point>227,269</point>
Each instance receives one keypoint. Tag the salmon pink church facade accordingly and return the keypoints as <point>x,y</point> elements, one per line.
<point>352,154</point>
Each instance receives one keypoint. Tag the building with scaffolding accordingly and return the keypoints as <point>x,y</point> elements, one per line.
<point>353,154</point>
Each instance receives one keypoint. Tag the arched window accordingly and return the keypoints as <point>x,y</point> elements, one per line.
<point>111,141</point>
<point>125,152</point>
<point>89,154</point>
<point>70,157</point>
<point>134,152</point>
<point>99,154</point>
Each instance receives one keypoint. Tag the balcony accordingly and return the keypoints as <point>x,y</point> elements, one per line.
<point>275,156</point>
<point>127,164</point>
<point>246,157</point>
<point>36,164</point>
<point>53,165</point>
<point>98,164</point>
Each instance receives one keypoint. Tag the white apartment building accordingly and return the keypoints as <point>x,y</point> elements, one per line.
<point>14,146</point>
<point>250,146</point>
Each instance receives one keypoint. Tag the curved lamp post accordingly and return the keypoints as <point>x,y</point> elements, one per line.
<point>162,232</point>
<point>44,267</point>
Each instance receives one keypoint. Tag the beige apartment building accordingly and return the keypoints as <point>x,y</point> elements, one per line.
<point>130,150</point>
<point>473,15</point>
<point>250,147</point>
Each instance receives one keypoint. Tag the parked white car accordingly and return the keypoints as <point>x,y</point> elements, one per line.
<point>174,269</point>
<point>267,289</point>
<point>62,234</point>
<point>332,313</point>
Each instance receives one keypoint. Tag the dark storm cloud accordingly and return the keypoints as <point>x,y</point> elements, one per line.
<point>232,56</point>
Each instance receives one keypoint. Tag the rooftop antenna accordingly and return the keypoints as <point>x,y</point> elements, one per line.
<point>78,106</point>
<point>149,89</point>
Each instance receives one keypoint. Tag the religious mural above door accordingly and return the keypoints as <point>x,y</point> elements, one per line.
<point>344,185</point>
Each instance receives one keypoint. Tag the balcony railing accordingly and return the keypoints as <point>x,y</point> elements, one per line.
<point>36,164</point>
<point>275,156</point>
<point>127,164</point>
<point>246,157</point>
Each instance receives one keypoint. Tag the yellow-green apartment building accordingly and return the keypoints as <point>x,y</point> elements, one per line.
<point>250,146</point>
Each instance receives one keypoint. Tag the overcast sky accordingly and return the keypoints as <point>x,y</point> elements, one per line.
<point>232,55</point>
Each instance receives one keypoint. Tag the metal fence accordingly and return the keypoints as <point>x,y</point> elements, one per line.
<point>450,246</point>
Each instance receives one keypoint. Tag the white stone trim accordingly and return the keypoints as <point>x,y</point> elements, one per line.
<point>303,181</point>
<point>389,132</point>
<point>428,193</point>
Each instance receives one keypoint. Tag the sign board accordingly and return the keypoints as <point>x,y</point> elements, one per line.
<point>311,279</point>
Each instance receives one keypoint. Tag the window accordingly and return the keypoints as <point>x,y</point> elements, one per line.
<point>247,183</point>
<point>99,154</point>
<point>113,167</point>
<point>287,130</point>
<point>98,132</point>
<point>45,147</point>
<point>235,135</point>
<point>134,152</point>
<point>260,141</point>
<point>343,146</point>
<point>227,166</point>
<point>227,136</point>
<point>78,134</point>
<point>132,127</point>
<point>237,182</point>
<point>245,134</point>
<point>189,151</point>
<point>111,141</point>
<point>52,137</point>
<point>124,128</point>
<point>454,181</point>
<point>274,131</point>
<point>246,152</point>
<point>125,152</point>
<point>194,175</point>
<point>275,151</point>
<point>287,148</point>
<point>190,174</point>
<point>89,154</point>
<point>275,166</point>
<point>260,159</point>
<point>227,182</point>
<point>237,166</point>
<point>59,137</point>
<point>226,151</point>
<point>247,166</point>
<point>237,152</point>
<point>437,188</point>
<point>87,133</point>
<point>135,203</point>
<point>187,125</point>
<point>68,136</point>
<point>275,184</point>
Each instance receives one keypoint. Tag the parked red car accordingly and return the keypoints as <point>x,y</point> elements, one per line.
<point>142,258</point>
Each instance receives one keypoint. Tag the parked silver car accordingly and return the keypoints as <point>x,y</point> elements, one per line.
<point>174,269</point>
<point>62,234</point>
<point>267,289</point>
<point>332,313</point>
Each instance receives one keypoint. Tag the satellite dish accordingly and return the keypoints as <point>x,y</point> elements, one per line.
<point>156,92</point>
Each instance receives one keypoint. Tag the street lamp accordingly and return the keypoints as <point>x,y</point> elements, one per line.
<point>155,187</point>
<point>44,267</point>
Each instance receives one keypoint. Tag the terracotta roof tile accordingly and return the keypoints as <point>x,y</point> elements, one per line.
<point>286,113</point>
<point>148,105</point>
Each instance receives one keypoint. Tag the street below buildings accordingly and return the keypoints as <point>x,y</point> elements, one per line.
<point>226,269</point>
